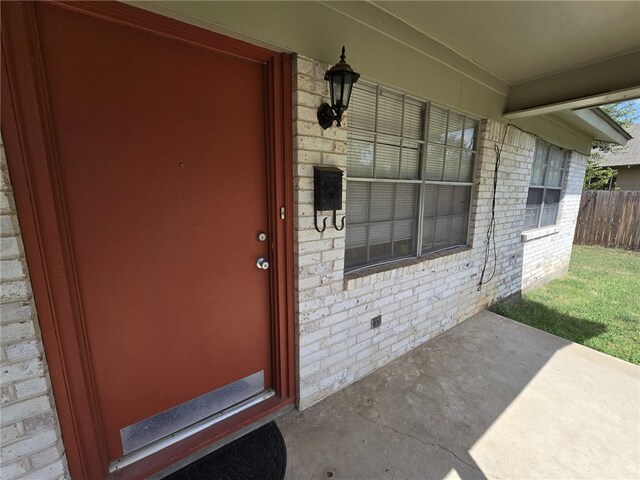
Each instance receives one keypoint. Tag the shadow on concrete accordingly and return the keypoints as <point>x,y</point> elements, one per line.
<point>489,398</point>
<point>540,316</point>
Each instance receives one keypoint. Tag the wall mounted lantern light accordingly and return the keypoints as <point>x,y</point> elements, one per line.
<point>341,78</point>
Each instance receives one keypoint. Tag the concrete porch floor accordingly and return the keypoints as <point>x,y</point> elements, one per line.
<point>490,398</point>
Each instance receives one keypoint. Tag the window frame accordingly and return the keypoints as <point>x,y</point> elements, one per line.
<point>543,186</point>
<point>421,181</point>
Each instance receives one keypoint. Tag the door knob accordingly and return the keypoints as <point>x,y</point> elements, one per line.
<point>262,264</point>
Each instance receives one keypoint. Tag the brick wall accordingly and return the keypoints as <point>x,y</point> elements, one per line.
<point>419,299</point>
<point>31,446</point>
<point>548,250</point>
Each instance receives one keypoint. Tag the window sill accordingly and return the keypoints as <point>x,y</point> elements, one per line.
<point>380,272</point>
<point>539,233</point>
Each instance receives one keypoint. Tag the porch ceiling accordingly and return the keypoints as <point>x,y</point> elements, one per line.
<point>492,59</point>
<point>548,52</point>
<point>522,41</point>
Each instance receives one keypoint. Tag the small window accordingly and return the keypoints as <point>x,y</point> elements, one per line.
<point>409,177</point>
<point>547,175</point>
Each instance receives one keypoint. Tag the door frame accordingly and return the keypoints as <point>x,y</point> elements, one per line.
<point>30,145</point>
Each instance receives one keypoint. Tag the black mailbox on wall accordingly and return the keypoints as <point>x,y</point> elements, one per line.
<point>327,188</point>
<point>327,193</point>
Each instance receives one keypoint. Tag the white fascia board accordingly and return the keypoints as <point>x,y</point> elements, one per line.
<point>612,80</point>
<point>597,124</point>
<point>577,103</point>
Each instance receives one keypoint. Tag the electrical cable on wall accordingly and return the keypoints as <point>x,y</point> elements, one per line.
<point>491,229</point>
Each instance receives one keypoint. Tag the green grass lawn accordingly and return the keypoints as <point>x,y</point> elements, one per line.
<point>597,304</point>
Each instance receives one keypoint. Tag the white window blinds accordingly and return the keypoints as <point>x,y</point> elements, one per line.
<point>409,177</point>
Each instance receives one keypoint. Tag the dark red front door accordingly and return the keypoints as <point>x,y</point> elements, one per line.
<point>161,156</point>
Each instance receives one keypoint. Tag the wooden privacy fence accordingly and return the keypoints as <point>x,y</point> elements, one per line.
<point>609,219</point>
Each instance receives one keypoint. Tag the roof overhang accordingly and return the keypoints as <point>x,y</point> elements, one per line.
<point>596,123</point>
<point>610,81</point>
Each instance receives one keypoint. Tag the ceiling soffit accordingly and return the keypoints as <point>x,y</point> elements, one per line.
<point>523,41</point>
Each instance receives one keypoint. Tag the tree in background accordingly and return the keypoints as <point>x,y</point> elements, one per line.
<point>598,177</point>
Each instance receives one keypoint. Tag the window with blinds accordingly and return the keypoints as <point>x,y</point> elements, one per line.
<point>547,175</point>
<point>409,177</point>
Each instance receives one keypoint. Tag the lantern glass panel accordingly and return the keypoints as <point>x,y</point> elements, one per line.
<point>336,87</point>
<point>346,95</point>
<point>331,91</point>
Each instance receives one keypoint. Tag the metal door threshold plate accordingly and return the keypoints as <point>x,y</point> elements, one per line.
<point>171,426</point>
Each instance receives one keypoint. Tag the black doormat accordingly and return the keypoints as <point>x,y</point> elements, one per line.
<point>259,455</point>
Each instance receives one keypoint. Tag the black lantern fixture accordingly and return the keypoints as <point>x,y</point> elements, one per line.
<point>341,78</point>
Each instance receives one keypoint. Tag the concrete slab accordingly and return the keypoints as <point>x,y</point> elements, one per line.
<point>490,398</point>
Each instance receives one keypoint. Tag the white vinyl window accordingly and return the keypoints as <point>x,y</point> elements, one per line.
<point>547,175</point>
<point>409,177</point>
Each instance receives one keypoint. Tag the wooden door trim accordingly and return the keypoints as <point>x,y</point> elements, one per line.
<point>26,127</point>
<point>31,151</point>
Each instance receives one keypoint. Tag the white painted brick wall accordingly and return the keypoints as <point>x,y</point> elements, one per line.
<point>417,301</point>
<point>31,443</point>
